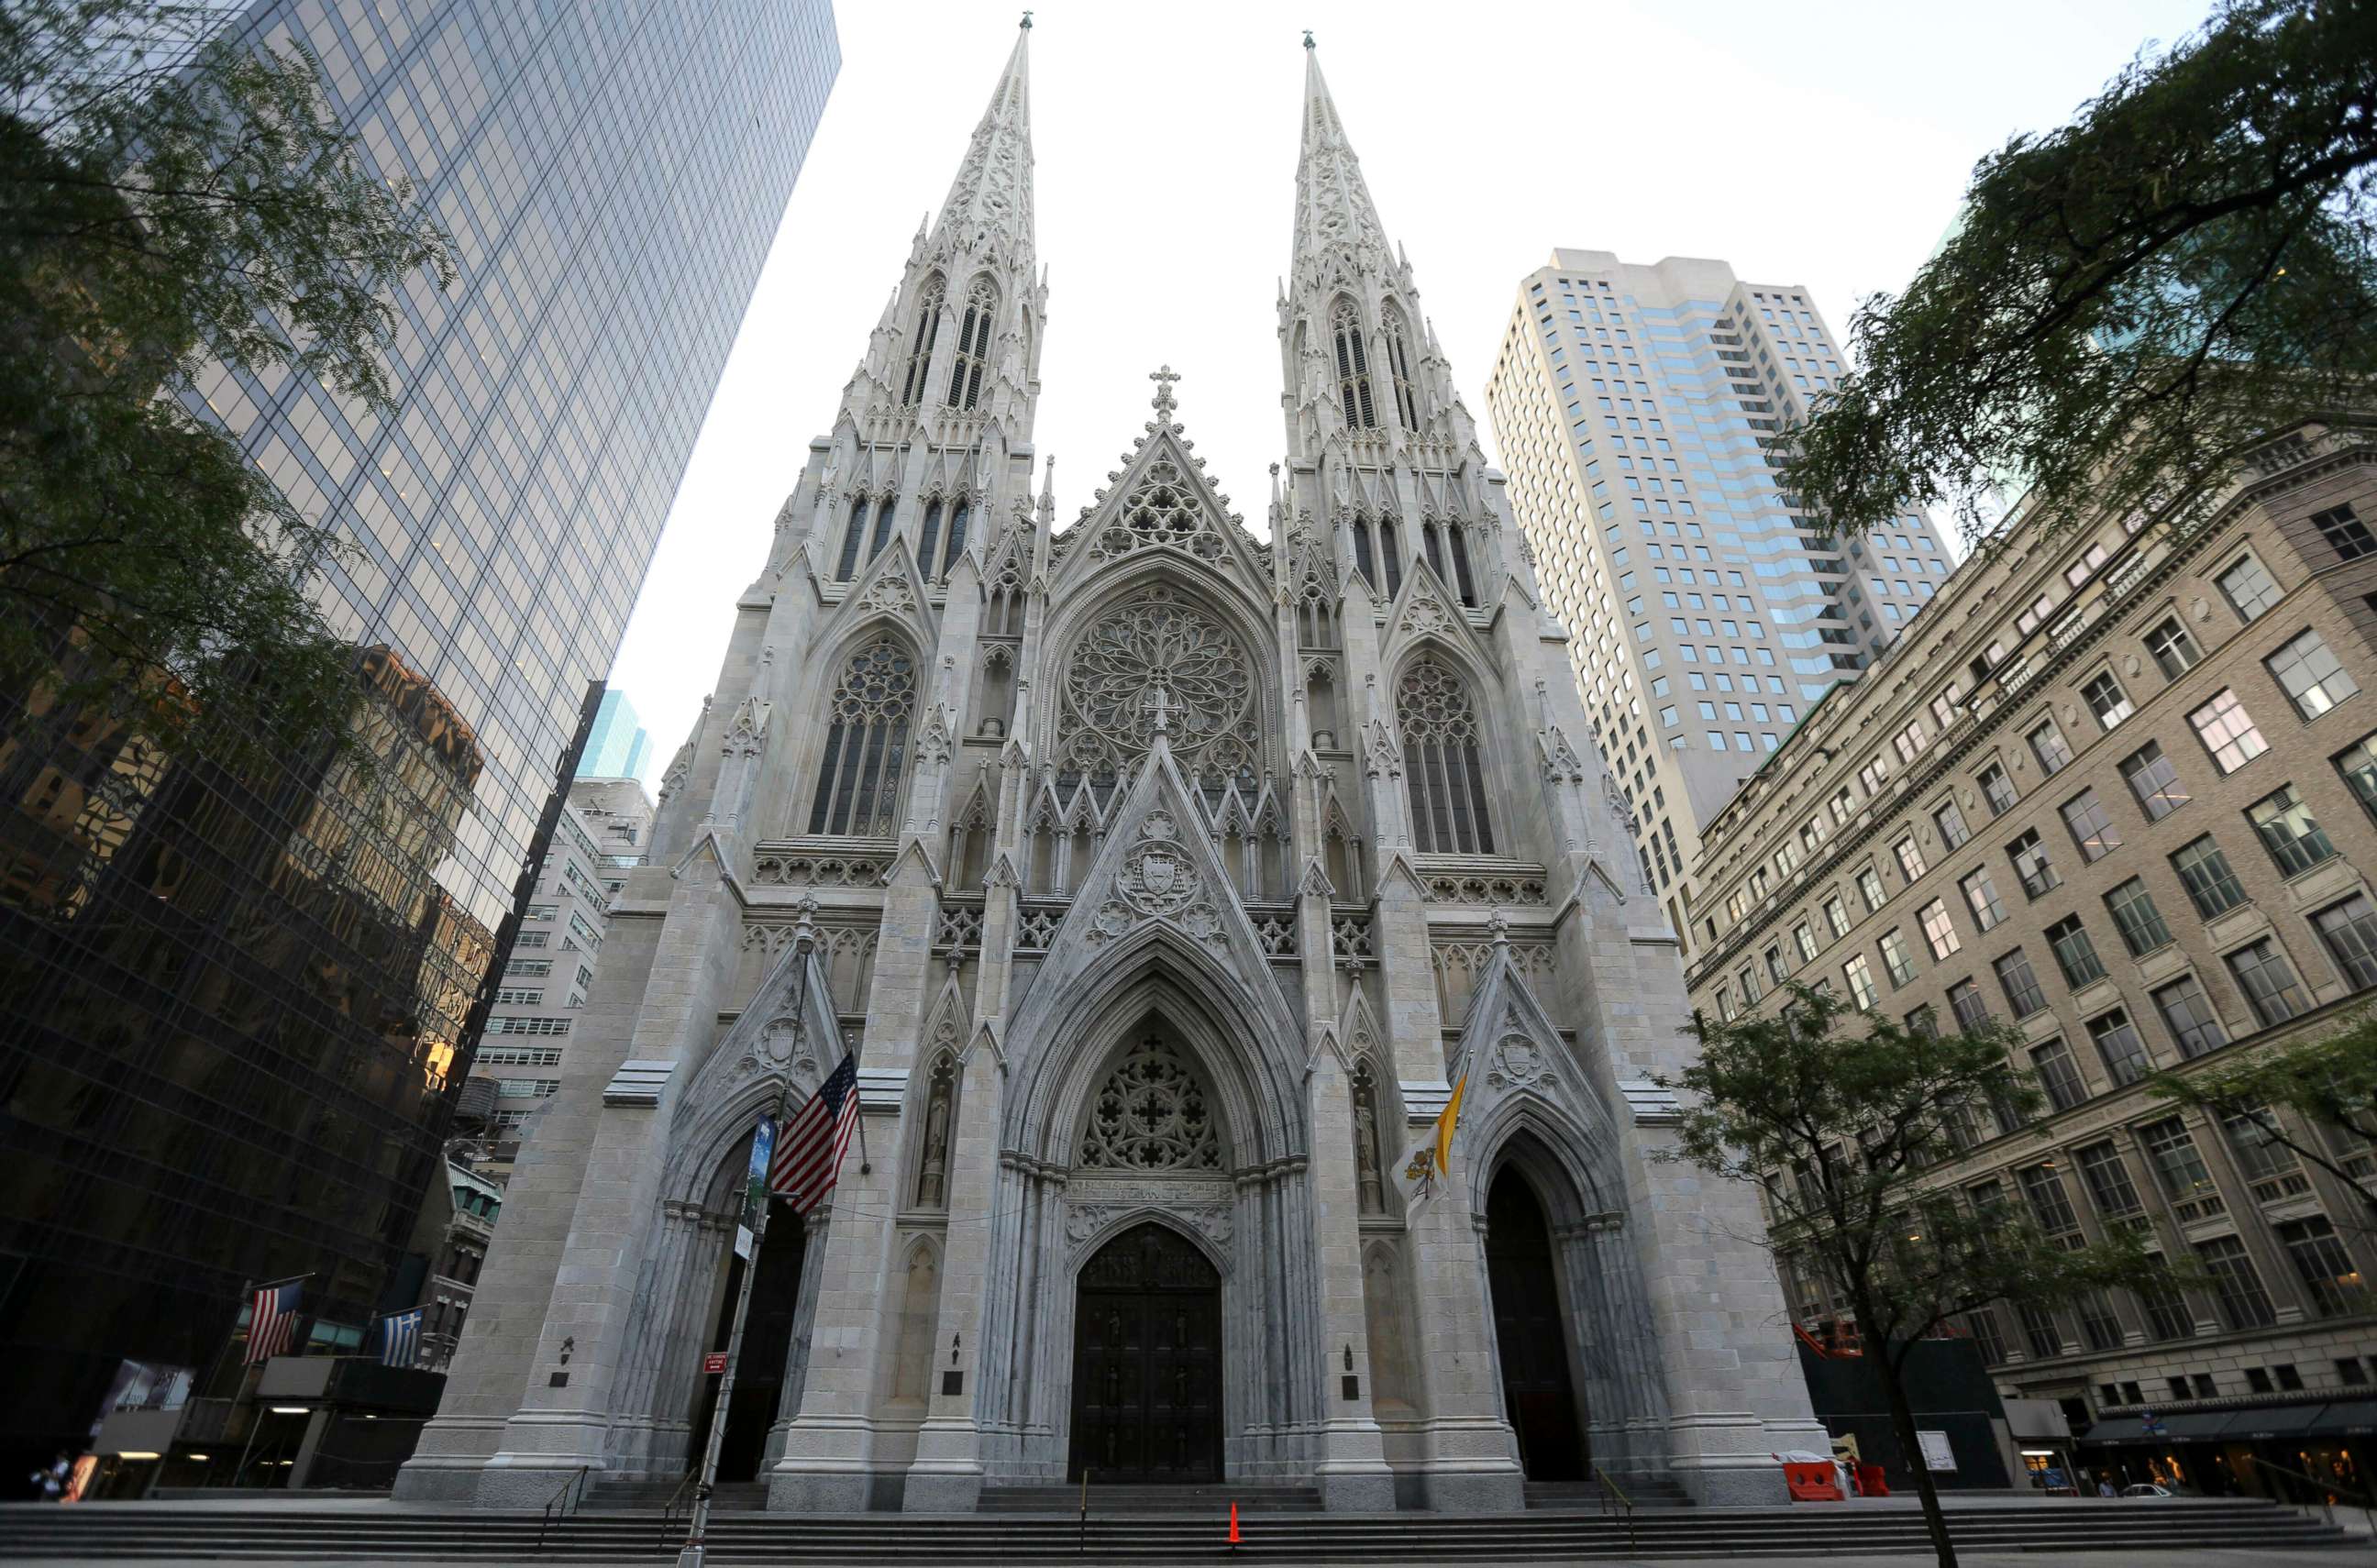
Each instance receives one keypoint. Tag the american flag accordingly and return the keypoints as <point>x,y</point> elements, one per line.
<point>809,1151</point>
<point>272,1321</point>
<point>399,1338</point>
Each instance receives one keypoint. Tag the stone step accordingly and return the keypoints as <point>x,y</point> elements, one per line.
<point>296,1532</point>
<point>621,1497</point>
<point>1130,1502</point>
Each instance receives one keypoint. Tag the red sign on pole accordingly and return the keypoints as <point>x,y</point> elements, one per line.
<point>713,1363</point>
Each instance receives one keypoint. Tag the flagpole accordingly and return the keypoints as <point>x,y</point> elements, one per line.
<point>698,1524</point>
<point>255,1420</point>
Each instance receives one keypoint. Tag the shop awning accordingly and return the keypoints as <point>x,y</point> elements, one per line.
<point>2187,1426</point>
<point>2347,1418</point>
<point>2274,1422</point>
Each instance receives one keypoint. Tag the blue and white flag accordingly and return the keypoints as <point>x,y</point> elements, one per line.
<point>399,1338</point>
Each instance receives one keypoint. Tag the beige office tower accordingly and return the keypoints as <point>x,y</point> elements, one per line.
<point>1637,409</point>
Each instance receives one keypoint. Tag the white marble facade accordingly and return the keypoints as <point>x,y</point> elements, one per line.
<point>1162,876</point>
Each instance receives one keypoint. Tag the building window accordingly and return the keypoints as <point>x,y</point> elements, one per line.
<point>2031,865</point>
<point>867,744</point>
<point>1868,884</point>
<point>1836,918</point>
<point>1859,974</point>
<point>2228,731</point>
<point>2174,651</point>
<point>1897,958</point>
<point>2204,872</point>
<point>2039,1332</point>
<point>2170,1149</point>
<point>2269,982</point>
<point>2259,1153</point>
<point>974,347</point>
<point>1998,790</point>
<point>2166,1317</point>
<point>2155,781</point>
<point>2187,1014</point>
<point>2358,767</point>
<point>2075,953</point>
<point>2091,827</point>
<point>1988,1338</point>
<point>2328,1277</point>
<point>2106,700</point>
<point>2100,1327</point>
<point>1446,772</point>
<point>2136,916</point>
<point>1951,821</point>
<point>2350,929</point>
<point>2047,745</point>
<point>2057,1074</point>
<point>1939,930</point>
<point>1353,366</point>
<point>2247,588</point>
<point>1804,939</point>
<point>1981,895</point>
<point>920,343</point>
<point>1910,859</point>
<point>2288,830</point>
<point>2346,533</point>
<point>1966,1001</point>
<point>2020,984</point>
<point>2243,1302</point>
<point>2049,1203</point>
<point>2108,1179</point>
<point>2308,671</point>
<point>2117,1042</point>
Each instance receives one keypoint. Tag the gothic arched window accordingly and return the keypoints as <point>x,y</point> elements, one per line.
<point>867,747</point>
<point>854,535</point>
<point>930,537</point>
<point>885,510</point>
<point>1457,532</point>
<point>974,347</point>
<point>1353,366</point>
<point>1391,555</point>
<point>958,516</point>
<point>1363,562</point>
<point>920,348</point>
<point>1399,367</point>
<point>1446,773</point>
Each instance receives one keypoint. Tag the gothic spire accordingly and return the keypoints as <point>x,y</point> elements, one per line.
<point>1334,218</point>
<point>989,205</point>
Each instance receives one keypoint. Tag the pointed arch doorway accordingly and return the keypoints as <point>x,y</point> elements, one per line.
<point>1531,1331</point>
<point>766,1346</point>
<point>1147,1362</point>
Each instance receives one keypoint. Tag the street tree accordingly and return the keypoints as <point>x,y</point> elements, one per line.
<point>2129,304</point>
<point>168,203</point>
<point>1836,1116</point>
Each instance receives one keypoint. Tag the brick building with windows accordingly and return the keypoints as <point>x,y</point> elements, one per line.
<point>2119,786</point>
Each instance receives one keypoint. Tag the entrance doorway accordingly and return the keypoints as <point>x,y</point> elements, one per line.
<point>767,1346</point>
<point>1531,1332</point>
<point>1147,1362</point>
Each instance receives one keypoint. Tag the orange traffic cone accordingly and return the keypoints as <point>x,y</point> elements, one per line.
<point>1234,1524</point>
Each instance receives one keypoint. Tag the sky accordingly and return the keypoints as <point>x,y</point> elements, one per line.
<point>1823,144</point>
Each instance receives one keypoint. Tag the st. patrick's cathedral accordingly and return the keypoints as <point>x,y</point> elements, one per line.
<point>1165,879</point>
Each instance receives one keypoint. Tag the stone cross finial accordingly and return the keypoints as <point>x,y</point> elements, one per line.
<point>1027,21</point>
<point>1307,38</point>
<point>1163,379</point>
<point>1158,703</point>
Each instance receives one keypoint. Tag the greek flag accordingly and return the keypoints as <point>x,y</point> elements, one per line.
<point>399,1338</point>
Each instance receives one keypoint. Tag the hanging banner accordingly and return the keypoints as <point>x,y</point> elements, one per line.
<point>754,1186</point>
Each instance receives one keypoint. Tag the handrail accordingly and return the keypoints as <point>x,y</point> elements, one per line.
<point>2368,1509</point>
<point>668,1509</point>
<point>566,1499</point>
<point>1082,1539</point>
<point>1614,1499</point>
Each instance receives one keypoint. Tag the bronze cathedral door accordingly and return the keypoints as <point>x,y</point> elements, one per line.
<point>1147,1362</point>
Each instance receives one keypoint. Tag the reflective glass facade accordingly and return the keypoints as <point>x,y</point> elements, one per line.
<point>235,1003</point>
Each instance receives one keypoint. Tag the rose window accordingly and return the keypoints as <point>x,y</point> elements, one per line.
<point>1155,652</point>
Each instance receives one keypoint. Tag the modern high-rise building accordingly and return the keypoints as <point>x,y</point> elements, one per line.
<point>235,1004</point>
<point>1637,409</point>
<point>619,747</point>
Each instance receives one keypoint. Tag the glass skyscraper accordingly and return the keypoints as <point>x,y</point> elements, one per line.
<point>234,1004</point>
<point>619,747</point>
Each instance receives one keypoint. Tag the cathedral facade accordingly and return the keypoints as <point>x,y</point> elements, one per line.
<point>1166,880</point>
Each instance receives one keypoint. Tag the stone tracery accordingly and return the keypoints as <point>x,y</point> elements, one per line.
<point>1157,638</point>
<point>1151,1114</point>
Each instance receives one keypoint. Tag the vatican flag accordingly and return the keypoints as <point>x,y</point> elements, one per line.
<point>1430,1161</point>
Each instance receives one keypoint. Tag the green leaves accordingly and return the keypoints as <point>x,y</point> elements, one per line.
<point>2133,302</point>
<point>162,208</point>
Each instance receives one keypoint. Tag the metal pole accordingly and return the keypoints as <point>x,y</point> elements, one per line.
<point>698,1523</point>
